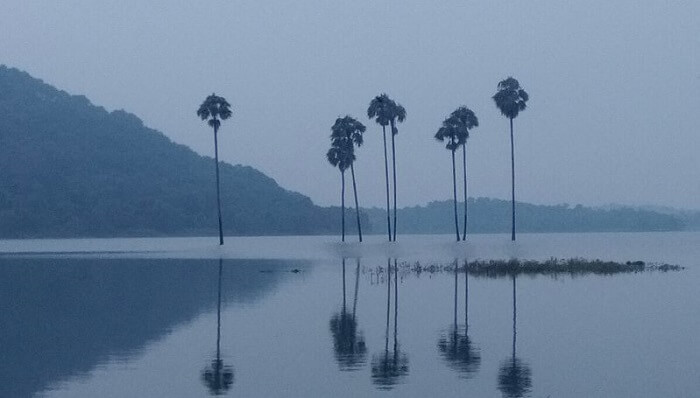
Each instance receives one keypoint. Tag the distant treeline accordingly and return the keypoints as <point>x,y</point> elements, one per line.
<point>492,216</point>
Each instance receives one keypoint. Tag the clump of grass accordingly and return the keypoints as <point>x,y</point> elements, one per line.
<point>553,267</point>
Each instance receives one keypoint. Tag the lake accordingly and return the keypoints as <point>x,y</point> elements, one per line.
<point>309,317</point>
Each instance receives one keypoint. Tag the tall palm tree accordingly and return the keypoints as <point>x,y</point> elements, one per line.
<point>341,155</point>
<point>214,109</point>
<point>349,129</point>
<point>449,132</point>
<point>380,110</point>
<point>397,115</point>
<point>468,120</point>
<point>510,100</point>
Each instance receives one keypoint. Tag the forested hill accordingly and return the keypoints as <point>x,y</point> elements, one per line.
<point>70,168</point>
<point>493,216</point>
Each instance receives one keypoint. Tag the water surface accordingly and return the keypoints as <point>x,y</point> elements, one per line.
<point>166,317</point>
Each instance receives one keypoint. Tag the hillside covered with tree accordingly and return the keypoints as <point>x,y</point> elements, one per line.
<point>70,168</point>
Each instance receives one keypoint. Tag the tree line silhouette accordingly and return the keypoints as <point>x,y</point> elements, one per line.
<point>347,134</point>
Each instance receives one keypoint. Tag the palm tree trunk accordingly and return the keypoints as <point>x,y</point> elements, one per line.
<point>218,193</point>
<point>342,203</point>
<point>357,206</point>
<point>393,167</point>
<point>512,174</point>
<point>464,168</point>
<point>386,175</point>
<point>454,194</point>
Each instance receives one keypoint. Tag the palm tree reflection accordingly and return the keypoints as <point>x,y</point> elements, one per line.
<point>348,345</point>
<point>514,376</point>
<point>218,377</point>
<point>389,368</point>
<point>455,346</point>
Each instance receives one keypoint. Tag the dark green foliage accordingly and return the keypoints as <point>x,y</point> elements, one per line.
<point>69,168</point>
<point>510,98</point>
<point>491,216</point>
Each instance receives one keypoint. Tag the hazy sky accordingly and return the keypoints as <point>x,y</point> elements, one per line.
<point>614,86</point>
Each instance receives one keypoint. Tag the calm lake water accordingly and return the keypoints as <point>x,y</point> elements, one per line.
<point>283,317</point>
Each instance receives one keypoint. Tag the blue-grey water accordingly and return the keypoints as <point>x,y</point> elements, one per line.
<point>144,317</point>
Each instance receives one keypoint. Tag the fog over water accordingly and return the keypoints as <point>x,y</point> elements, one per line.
<point>612,116</point>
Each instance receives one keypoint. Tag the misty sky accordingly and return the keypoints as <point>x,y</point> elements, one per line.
<point>614,87</point>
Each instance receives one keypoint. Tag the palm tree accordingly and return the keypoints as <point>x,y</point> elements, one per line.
<point>380,110</point>
<point>450,132</point>
<point>214,109</point>
<point>341,155</point>
<point>397,115</point>
<point>468,120</point>
<point>510,100</point>
<point>349,129</point>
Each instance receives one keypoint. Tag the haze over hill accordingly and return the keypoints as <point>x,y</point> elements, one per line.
<point>69,168</point>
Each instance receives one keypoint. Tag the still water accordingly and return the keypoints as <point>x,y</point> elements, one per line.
<point>305,317</point>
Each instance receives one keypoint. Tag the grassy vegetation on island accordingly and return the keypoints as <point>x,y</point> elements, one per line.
<point>553,267</point>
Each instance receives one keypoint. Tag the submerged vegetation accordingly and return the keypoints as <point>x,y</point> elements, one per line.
<point>552,267</point>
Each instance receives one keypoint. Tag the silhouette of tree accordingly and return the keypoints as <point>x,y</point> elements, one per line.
<point>397,115</point>
<point>511,99</point>
<point>349,129</point>
<point>468,121</point>
<point>214,109</point>
<point>456,347</point>
<point>218,377</point>
<point>380,109</point>
<point>348,345</point>
<point>452,132</point>
<point>341,155</point>
<point>389,367</point>
<point>514,375</point>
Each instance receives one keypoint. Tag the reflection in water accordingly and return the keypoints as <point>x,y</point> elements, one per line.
<point>388,368</point>
<point>455,346</point>
<point>218,377</point>
<point>348,345</point>
<point>514,376</point>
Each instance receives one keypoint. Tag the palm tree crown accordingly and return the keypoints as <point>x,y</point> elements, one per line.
<point>341,154</point>
<point>454,131</point>
<point>215,109</point>
<point>397,114</point>
<point>380,109</point>
<point>510,98</point>
<point>348,128</point>
<point>466,117</point>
